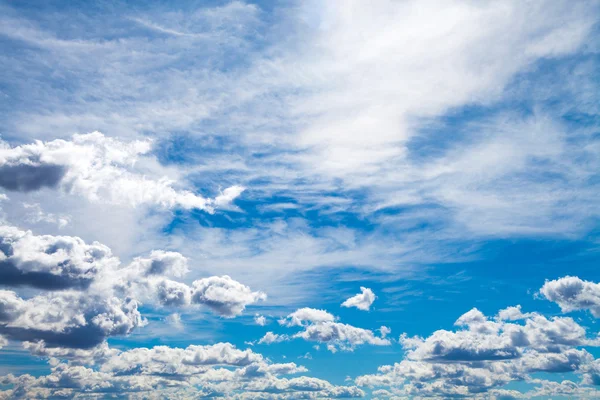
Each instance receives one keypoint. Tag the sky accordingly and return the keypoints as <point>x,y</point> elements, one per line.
<point>393,199</point>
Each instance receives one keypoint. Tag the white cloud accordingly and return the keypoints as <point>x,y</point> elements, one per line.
<point>224,295</point>
<point>362,301</point>
<point>320,326</point>
<point>101,169</point>
<point>304,315</point>
<point>220,369</point>
<point>260,320</point>
<point>270,338</point>
<point>484,354</point>
<point>572,293</point>
<point>384,330</point>
<point>51,262</point>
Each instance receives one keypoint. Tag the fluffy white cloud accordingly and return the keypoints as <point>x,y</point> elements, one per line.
<point>91,295</point>
<point>260,320</point>
<point>162,360</point>
<point>270,338</point>
<point>100,168</point>
<point>67,319</point>
<point>224,295</point>
<point>343,336</point>
<point>572,293</point>
<point>219,370</point>
<point>50,262</point>
<point>304,315</point>
<point>484,354</point>
<point>320,326</point>
<point>362,301</point>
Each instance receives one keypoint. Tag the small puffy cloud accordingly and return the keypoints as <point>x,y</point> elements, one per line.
<point>572,293</point>
<point>224,295</point>
<point>306,315</point>
<point>362,301</point>
<point>271,338</point>
<point>384,331</point>
<point>260,320</point>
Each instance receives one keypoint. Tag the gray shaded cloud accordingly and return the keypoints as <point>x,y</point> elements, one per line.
<point>27,177</point>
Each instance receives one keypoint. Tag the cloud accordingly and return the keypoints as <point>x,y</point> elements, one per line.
<point>572,294</point>
<point>163,360</point>
<point>67,319</point>
<point>224,295</point>
<point>483,354</point>
<point>362,301</point>
<point>271,338</point>
<point>219,370</point>
<point>24,177</point>
<point>341,335</point>
<point>320,326</point>
<point>88,296</point>
<point>260,320</point>
<point>384,330</point>
<point>304,315</point>
<point>102,169</point>
<point>50,262</point>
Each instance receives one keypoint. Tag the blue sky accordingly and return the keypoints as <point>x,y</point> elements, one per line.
<point>280,200</point>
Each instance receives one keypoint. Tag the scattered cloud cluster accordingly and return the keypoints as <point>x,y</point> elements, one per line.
<point>320,326</point>
<point>220,370</point>
<point>484,354</point>
<point>87,295</point>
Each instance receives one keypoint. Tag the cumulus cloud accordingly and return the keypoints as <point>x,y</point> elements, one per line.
<point>88,296</point>
<point>50,262</point>
<point>270,338</point>
<point>572,293</point>
<point>219,370</point>
<point>260,320</point>
<point>101,169</point>
<point>362,301</point>
<point>306,315</point>
<point>67,319</point>
<point>343,336</point>
<point>321,326</point>
<point>484,353</point>
<point>224,295</point>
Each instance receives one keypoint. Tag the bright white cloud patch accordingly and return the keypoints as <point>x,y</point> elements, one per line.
<point>362,301</point>
<point>224,295</point>
<point>260,320</point>
<point>320,326</point>
<point>100,168</point>
<point>91,296</point>
<point>484,354</point>
<point>572,293</point>
<point>304,315</point>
